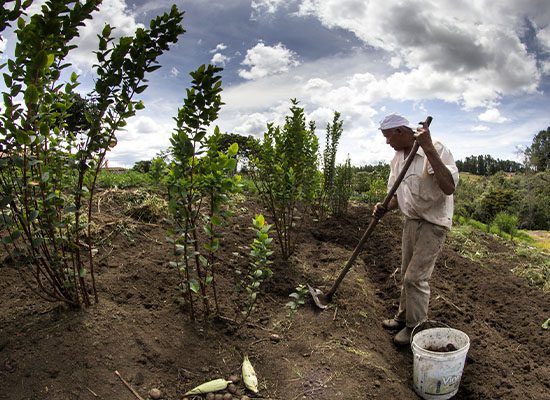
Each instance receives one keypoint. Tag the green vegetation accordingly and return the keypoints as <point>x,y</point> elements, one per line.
<point>54,142</point>
<point>259,269</point>
<point>123,179</point>
<point>200,179</point>
<point>524,195</point>
<point>284,171</point>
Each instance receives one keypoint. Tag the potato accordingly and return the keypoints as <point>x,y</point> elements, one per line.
<point>155,394</point>
<point>234,378</point>
<point>227,396</point>
<point>232,388</point>
<point>210,396</point>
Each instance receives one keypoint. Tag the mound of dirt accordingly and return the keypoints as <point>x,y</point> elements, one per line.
<point>141,330</point>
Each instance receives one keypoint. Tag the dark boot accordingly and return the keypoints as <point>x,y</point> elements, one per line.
<point>403,337</point>
<point>393,324</point>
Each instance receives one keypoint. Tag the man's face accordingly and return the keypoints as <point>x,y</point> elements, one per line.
<point>398,138</point>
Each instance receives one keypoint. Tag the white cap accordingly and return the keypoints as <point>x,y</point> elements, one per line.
<point>393,121</point>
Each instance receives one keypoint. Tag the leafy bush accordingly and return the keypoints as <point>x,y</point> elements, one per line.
<point>200,179</point>
<point>506,223</point>
<point>285,172</point>
<point>341,192</point>
<point>259,269</point>
<point>53,142</point>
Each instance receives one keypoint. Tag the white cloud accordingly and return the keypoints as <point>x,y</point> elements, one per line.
<point>219,47</point>
<point>543,36</point>
<point>317,84</point>
<point>219,59</point>
<point>480,128</point>
<point>141,140</point>
<point>113,12</point>
<point>3,44</point>
<point>174,72</point>
<point>252,124</point>
<point>266,6</point>
<point>472,55</point>
<point>267,60</point>
<point>492,115</point>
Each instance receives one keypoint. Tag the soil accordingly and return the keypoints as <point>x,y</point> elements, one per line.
<point>442,349</point>
<point>141,329</point>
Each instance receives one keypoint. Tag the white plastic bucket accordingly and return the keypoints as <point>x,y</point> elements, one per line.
<point>436,374</point>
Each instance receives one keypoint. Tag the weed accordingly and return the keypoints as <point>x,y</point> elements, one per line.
<point>298,298</point>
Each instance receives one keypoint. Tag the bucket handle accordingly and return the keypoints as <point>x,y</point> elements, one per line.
<point>423,322</point>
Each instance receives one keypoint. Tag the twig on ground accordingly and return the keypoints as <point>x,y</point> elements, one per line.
<point>128,386</point>
<point>449,302</point>
<point>92,392</point>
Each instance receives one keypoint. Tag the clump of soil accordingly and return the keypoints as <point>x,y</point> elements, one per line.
<point>140,328</point>
<point>442,349</point>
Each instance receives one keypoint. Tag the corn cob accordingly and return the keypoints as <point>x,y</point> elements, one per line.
<point>249,376</point>
<point>211,386</point>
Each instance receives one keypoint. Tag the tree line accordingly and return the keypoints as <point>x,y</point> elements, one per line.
<point>536,158</point>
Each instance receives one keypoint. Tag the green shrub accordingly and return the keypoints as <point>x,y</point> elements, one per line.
<point>506,223</point>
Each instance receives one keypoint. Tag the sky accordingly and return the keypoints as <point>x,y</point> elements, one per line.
<point>481,68</point>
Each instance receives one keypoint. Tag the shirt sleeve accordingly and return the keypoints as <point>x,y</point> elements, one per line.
<point>448,159</point>
<point>393,174</point>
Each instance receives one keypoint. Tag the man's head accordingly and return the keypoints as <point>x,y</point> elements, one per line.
<point>395,129</point>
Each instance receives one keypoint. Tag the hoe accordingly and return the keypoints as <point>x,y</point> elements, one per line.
<point>322,300</point>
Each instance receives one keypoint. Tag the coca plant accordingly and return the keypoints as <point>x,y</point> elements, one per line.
<point>285,172</point>
<point>50,156</point>
<point>259,270</point>
<point>329,193</point>
<point>201,177</point>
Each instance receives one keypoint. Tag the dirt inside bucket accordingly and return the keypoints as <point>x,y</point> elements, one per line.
<point>442,349</point>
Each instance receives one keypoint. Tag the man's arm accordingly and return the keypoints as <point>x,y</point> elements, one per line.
<point>442,175</point>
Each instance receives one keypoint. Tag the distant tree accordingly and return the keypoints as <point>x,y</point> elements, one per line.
<point>537,156</point>
<point>487,165</point>
<point>247,146</point>
<point>142,166</point>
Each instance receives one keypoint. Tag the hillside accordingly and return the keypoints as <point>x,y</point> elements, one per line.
<point>140,329</point>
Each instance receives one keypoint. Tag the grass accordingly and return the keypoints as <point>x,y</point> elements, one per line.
<point>123,180</point>
<point>528,255</point>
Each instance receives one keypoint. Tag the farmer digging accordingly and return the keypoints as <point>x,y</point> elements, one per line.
<point>425,197</point>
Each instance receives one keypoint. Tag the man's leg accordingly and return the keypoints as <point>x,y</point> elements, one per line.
<point>426,241</point>
<point>407,246</point>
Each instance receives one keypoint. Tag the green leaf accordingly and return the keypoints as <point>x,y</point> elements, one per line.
<point>194,286</point>
<point>209,279</point>
<point>45,176</point>
<point>50,59</point>
<point>233,149</point>
<point>74,77</point>
<point>31,94</point>
<point>546,324</point>
<point>140,89</point>
<point>82,272</point>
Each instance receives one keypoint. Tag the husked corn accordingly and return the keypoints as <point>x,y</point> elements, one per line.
<point>210,386</point>
<point>249,376</point>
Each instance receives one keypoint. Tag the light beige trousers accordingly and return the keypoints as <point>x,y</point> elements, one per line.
<point>422,243</point>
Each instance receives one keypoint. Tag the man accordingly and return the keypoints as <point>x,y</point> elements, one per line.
<point>425,197</point>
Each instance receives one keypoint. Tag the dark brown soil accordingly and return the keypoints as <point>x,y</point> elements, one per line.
<point>442,349</point>
<point>139,328</point>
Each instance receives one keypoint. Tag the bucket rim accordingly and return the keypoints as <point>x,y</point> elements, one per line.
<point>460,350</point>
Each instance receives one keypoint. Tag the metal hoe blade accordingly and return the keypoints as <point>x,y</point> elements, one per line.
<point>318,297</point>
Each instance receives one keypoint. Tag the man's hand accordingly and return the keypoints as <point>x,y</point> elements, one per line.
<point>423,137</point>
<point>379,211</point>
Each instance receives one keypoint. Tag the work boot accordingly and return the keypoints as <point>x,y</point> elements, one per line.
<point>403,337</point>
<point>393,324</point>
